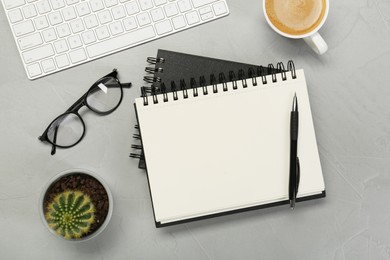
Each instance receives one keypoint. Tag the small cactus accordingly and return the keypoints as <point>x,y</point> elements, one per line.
<point>70,214</point>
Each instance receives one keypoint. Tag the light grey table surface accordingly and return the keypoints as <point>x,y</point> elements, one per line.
<point>349,89</point>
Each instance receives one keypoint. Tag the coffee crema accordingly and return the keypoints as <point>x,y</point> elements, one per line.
<point>295,17</point>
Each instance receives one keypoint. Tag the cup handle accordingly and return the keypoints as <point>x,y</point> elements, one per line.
<point>317,43</point>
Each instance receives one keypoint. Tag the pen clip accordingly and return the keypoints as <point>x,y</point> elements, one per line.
<point>298,177</point>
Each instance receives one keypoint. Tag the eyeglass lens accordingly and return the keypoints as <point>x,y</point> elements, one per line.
<point>66,130</point>
<point>106,96</point>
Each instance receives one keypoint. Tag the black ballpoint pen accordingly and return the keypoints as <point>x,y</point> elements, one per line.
<point>294,160</point>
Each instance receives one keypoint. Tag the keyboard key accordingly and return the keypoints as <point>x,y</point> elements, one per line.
<point>132,8</point>
<point>130,23</point>
<point>102,32</point>
<point>41,22</point>
<point>13,3</point>
<point>55,18</point>
<point>72,2</point>
<point>43,6</point>
<point>178,22</point>
<point>83,9</point>
<point>145,4</point>
<point>63,30</point>
<point>29,11</point>
<point>34,70</point>
<point>205,10</point>
<point>199,3</point>
<point>192,17</point>
<point>23,28</point>
<point>171,10</point>
<point>77,26</point>
<point>49,35</point>
<point>206,13</point>
<point>143,18</point>
<point>88,37</point>
<point>37,54</point>
<point>157,14</point>
<point>219,8</point>
<point>96,5</point>
<point>30,41</point>
<point>61,46</point>
<point>121,42</point>
<point>15,16</point>
<point>206,16</point>
<point>118,12</point>
<point>62,61</point>
<point>116,28</point>
<point>91,21</point>
<point>69,13</point>
<point>184,5</point>
<point>110,3</point>
<point>48,65</point>
<point>75,41</point>
<point>77,55</point>
<point>57,4</point>
<point>163,27</point>
<point>160,2</point>
<point>104,17</point>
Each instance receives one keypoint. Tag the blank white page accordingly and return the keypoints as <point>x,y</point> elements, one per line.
<point>227,150</point>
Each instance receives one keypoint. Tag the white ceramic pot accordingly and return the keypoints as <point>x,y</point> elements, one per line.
<point>70,172</point>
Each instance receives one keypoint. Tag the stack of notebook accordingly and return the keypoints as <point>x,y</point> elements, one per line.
<point>215,140</point>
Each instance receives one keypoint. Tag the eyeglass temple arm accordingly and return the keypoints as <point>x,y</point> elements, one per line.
<point>53,147</point>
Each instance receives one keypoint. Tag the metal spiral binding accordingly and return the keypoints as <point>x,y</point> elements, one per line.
<point>232,78</point>
<point>251,74</point>
<point>136,146</point>
<point>202,84</point>
<point>164,92</point>
<point>183,87</point>
<point>193,86</point>
<point>241,76</point>
<point>213,81</point>
<point>280,67</point>
<point>291,67</point>
<point>174,91</point>
<point>222,80</point>
<point>260,73</point>
<point>152,79</point>
<point>154,60</point>
<point>272,68</point>
<point>153,70</point>
<point>144,96</point>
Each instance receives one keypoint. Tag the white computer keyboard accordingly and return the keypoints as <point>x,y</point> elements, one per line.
<point>54,35</point>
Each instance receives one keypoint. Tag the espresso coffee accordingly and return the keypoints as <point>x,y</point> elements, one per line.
<point>295,17</point>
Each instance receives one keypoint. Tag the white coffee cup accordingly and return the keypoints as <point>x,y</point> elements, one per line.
<point>313,38</point>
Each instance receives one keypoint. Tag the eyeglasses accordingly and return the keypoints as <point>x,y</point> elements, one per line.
<point>103,98</point>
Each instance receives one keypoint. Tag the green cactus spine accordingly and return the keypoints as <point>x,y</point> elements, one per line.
<point>71,214</point>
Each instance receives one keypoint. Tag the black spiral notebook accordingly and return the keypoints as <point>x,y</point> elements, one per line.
<point>171,71</point>
<point>223,148</point>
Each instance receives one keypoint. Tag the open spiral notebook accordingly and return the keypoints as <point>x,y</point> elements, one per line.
<point>224,148</point>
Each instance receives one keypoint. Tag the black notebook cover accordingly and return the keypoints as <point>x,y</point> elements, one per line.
<point>172,71</point>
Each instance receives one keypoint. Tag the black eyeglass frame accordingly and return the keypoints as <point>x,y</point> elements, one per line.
<point>82,101</point>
